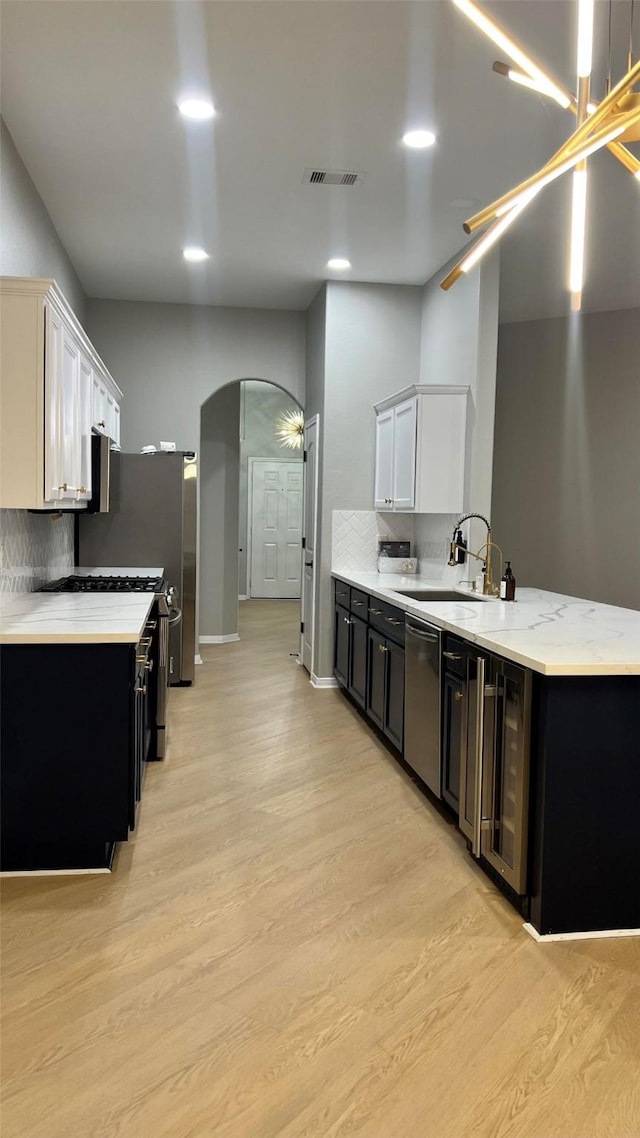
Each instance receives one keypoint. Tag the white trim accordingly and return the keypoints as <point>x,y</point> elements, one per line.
<point>313,421</point>
<point>243,596</point>
<point>230,638</point>
<point>323,681</point>
<point>198,658</point>
<point>50,872</point>
<point>596,935</point>
<point>250,468</point>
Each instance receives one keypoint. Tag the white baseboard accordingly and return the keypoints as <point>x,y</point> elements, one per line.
<point>598,934</point>
<point>198,658</point>
<point>243,596</point>
<point>323,681</point>
<point>229,639</point>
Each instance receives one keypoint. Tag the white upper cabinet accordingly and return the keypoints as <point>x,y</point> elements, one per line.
<point>49,376</point>
<point>420,450</point>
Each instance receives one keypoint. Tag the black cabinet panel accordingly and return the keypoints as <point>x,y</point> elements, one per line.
<point>359,603</point>
<point>394,701</point>
<point>66,769</point>
<point>451,739</point>
<point>358,660</point>
<point>342,594</point>
<point>376,674</point>
<point>341,645</point>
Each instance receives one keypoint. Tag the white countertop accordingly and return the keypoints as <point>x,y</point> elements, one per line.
<point>551,633</point>
<point>73,618</point>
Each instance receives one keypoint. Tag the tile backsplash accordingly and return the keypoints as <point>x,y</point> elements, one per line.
<point>34,549</point>
<point>355,535</point>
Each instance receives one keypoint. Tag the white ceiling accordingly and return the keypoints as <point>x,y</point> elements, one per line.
<point>89,91</point>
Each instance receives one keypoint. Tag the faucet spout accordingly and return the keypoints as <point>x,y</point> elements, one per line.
<point>485,553</point>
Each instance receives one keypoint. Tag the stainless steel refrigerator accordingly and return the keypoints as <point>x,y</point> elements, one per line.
<point>152,521</point>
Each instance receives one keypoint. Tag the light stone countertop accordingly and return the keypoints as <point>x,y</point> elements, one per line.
<point>548,632</point>
<point>115,571</point>
<point>73,618</point>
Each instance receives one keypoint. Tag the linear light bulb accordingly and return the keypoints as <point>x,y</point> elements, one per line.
<point>497,229</point>
<point>580,153</point>
<point>578,229</point>
<point>512,50</point>
<point>585,38</point>
<point>525,80</point>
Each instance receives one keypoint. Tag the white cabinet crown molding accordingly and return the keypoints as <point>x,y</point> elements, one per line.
<point>420,389</point>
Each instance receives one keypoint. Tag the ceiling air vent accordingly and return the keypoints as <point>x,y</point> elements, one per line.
<point>332,177</point>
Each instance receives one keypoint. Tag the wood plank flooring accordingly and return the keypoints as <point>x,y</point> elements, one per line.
<point>297,945</point>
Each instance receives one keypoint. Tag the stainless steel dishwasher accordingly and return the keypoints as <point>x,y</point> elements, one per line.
<point>422,701</point>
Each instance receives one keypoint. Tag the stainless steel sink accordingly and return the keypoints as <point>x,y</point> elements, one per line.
<point>439,595</point>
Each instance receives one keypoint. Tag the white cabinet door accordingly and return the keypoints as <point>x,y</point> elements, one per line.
<point>85,409</point>
<point>404,455</point>
<point>53,458</point>
<point>113,419</point>
<point>99,403</point>
<point>69,441</point>
<point>383,484</point>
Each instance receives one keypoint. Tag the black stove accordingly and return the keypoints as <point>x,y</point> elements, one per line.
<point>105,585</point>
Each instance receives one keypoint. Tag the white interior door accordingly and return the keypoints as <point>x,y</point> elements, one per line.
<point>309,530</point>
<point>276,528</point>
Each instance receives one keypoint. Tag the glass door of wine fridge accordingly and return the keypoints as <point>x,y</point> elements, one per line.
<point>506,774</point>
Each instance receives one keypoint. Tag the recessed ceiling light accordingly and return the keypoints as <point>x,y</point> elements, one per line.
<point>339,263</point>
<point>197,109</point>
<point>419,139</point>
<point>195,253</point>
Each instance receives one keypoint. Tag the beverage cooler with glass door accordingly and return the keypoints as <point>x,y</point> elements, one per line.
<point>494,732</point>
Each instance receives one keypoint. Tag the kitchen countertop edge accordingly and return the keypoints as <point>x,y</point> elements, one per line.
<point>449,623</point>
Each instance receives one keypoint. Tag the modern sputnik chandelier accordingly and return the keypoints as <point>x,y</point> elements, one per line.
<point>610,123</point>
<point>290,429</point>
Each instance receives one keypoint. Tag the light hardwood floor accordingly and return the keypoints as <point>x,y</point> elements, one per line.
<point>296,944</point>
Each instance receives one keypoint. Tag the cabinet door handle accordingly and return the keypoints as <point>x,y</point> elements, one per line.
<point>458,695</point>
<point>101,423</point>
<point>382,648</point>
<point>149,665</point>
<point>452,656</point>
<point>477,804</point>
<point>142,690</point>
<point>346,620</point>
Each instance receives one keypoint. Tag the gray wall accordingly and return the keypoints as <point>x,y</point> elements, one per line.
<point>566,474</point>
<point>261,404</point>
<point>33,548</point>
<point>219,484</point>
<point>29,244</point>
<point>459,345</point>
<point>170,358</point>
<point>316,333</point>
<point>372,348</point>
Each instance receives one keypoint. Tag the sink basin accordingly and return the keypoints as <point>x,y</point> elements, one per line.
<point>440,595</point>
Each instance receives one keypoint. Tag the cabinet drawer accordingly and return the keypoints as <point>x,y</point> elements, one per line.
<point>387,619</point>
<point>359,604</point>
<point>341,593</point>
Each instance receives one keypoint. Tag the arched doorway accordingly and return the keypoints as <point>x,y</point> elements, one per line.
<point>238,449</point>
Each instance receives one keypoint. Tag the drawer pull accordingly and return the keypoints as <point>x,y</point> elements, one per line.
<point>359,604</point>
<point>390,620</point>
<point>452,656</point>
<point>376,612</point>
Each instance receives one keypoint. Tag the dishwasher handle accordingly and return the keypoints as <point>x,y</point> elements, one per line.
<point>412,630</point>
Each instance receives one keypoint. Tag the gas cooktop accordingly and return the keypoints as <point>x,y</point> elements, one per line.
<point>104,585</point>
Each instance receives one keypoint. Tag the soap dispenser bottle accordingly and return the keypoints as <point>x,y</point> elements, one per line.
<point>508,584</point>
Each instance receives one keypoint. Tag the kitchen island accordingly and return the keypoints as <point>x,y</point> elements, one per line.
<point>579,664</point>
<point>77,726</point>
